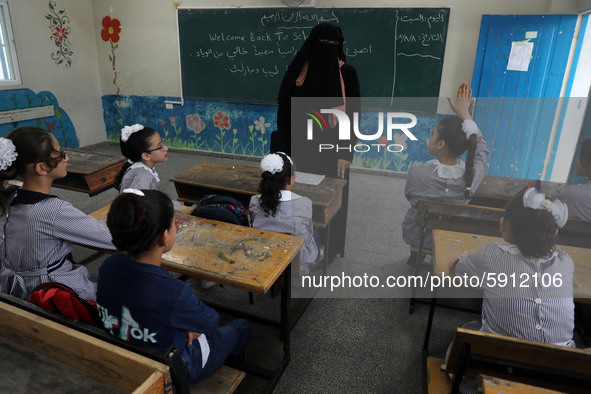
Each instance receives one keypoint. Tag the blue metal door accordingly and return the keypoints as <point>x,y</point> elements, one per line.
<point>516,109</point>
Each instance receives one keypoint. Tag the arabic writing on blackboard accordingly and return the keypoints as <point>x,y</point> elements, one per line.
<point>243,53</point>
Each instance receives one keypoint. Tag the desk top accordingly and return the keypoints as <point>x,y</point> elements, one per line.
<point>447,245</point>
<point>506,188</point>
<point>237,256</point>
<point>246,180</point>
<point>493,385</point>
<point>86,163</point>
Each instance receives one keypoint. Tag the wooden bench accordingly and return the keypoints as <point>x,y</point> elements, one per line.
<point>91,349</point>
<point>537,364</point>
<point>435,214</point>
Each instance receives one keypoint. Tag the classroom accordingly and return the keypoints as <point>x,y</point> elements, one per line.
<point>206,74</point>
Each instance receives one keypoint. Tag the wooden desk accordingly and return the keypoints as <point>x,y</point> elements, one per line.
<point>448,245</point>
<point>492,385</point>
<point>242,257</point>
<point>237,256</point>
<point>90,172</point>
<point>242,182</point>
<point>495,191</point>
<point>118,369</point>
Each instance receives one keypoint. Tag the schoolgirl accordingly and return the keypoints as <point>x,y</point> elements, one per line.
<point>578,197</point>
<point>135,291</point>
<point>279,209</point>
<point>143,148</point>
<point>447,178</point>
<point>538,304</point>
<point>38,229</point>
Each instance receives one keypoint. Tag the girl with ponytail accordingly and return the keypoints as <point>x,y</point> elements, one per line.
<point>279,209</point>
<point>37,230</point>
<point>140,302</point>
<point>447,178</point>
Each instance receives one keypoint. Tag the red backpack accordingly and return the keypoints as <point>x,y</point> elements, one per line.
<point>60,298</point>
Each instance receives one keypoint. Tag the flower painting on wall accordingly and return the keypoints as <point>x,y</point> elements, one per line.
<point>111,27</point>
<point>58,26</point>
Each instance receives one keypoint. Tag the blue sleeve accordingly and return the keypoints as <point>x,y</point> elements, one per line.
<point>190,314</point>
<point>73,225</point>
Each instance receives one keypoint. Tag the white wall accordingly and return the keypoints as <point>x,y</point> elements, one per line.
<point>77,88</point>
<point>147,57</point>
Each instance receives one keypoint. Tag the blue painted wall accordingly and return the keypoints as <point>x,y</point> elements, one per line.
<point>244,129</point>
<point>60,124</point>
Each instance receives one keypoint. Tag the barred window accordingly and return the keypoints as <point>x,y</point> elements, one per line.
<point>9,72</point>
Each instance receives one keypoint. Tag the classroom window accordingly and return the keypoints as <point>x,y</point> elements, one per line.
<point>9,73</point>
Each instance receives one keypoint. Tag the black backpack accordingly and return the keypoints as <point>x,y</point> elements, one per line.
<point>223,208</point>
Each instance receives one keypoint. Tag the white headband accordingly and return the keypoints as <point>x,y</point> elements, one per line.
<point>134,191</point>
<point>8,153</point>
<point>533,199</point>
<point>273,163</point>
<point>127,131</point>
<point>469,127</point>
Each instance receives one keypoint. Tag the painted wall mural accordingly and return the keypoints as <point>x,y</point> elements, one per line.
<point>244,129</point>
<point>110,33</point>
<point>60,31</point>
<point>60,124</point>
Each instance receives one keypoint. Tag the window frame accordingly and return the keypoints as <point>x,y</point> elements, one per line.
<point>10,47</point>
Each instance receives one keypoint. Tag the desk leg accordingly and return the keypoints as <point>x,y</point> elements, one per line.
<point>326,250</point>
<point>429,323</point>
<point>285,313</point>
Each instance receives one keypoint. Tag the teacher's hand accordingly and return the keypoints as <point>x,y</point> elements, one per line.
<point>342,166</point>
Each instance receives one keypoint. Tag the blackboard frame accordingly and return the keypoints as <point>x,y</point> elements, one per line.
<point>425,81</point>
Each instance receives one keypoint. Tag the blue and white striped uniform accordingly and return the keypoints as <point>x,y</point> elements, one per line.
<point>37,235</point>
<point>526,307</point>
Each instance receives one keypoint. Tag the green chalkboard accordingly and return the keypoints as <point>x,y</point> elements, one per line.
<point>241,54</point>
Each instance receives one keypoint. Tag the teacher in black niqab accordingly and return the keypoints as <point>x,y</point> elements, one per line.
<point>319,69</point>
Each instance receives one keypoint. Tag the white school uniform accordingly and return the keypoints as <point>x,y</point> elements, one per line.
<point>578,200</point>
<point>140,176</point>
<point>439,182</point>
<point>294,215</point>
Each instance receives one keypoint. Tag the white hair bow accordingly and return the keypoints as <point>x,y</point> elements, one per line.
<point>273,162</point>
<point>134,191</point>
<point>533,199</point>
<point>8,153</point>
<point>469,127</point>
<point>127,131</point>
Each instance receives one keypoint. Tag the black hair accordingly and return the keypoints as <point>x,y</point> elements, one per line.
<point>272,184</point>
<point>532,230</point>
<point>450,130</point>
<point>585,156</point>
<point>33,145</point>
<point>136,221</point>
<point>136,144</point>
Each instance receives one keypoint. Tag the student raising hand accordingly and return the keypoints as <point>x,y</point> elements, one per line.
<point>461,105</point>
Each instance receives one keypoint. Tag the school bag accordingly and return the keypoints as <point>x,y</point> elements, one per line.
<point>60,298</point>
<point>223,208</point>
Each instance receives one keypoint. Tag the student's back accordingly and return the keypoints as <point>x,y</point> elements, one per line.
<point>447,178</point>
<point>578,197</point>
<point>279,209</point>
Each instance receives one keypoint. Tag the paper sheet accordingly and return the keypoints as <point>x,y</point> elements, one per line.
<point>309,179</point>
<point>520,55</point>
